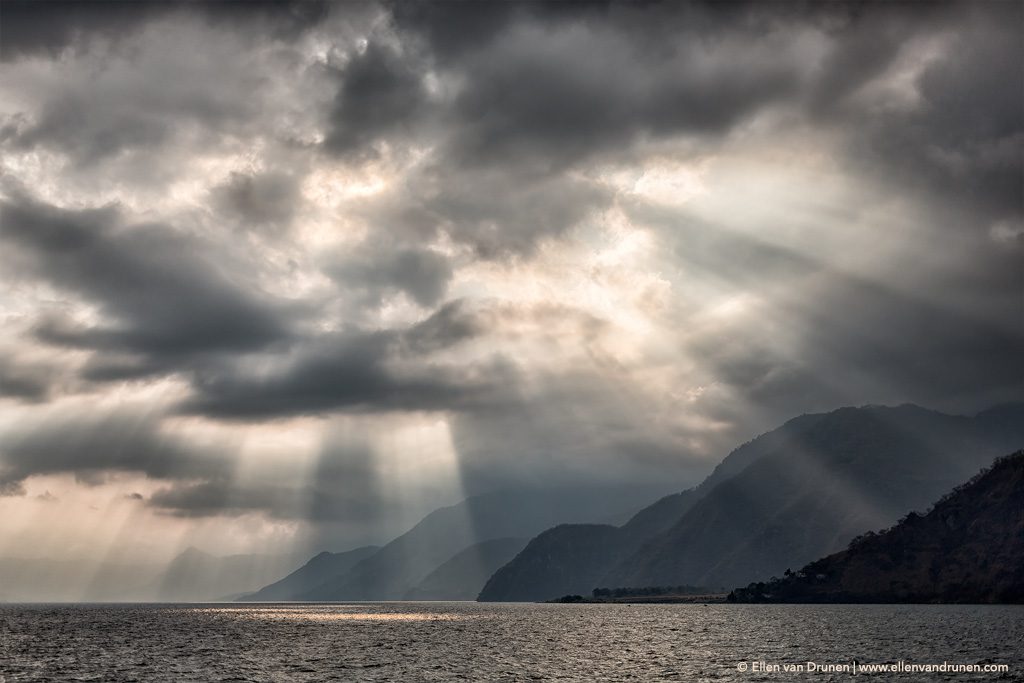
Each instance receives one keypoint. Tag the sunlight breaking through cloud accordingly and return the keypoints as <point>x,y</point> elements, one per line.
<point>287,280</point>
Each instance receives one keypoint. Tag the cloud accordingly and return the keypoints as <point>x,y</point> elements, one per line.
<point>95,114</point>
<point>380,94</point>
<point>422,274</point>
<point>93,448</point>
<point>259,201</point>
<point>497,213</point>
<point>857,337</point>
<point>942,125</point>
<point>23,380</point>
<point>587,242</point>
<point>582,427</point>
<point>162,294</point>
<point>32,28</point>
<point>360,371</point>
<point>343,487</point>
<point>545,96</point>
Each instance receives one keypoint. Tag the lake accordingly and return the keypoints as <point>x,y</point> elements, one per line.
<point>430,641</point>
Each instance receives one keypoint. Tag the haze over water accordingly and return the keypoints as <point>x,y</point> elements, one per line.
<point>495,642</point>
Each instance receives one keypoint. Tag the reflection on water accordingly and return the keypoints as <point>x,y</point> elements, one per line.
<point>424,641</point>
<point>333,613</point>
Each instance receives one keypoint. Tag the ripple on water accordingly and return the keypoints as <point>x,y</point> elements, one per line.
<point>491,642</point>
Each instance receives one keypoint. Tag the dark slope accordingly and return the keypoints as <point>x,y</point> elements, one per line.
<point>853,470</point>
<point>574,558</point>
<point>310,575</point>
<point>968,548</point>
<point>406,561</point>
<point>462,577</point>
<point>572,555</point>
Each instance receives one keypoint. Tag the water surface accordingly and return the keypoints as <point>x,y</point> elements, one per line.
<point>496,642</point>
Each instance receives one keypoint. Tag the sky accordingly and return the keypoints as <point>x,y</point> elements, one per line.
<point>279,275</point>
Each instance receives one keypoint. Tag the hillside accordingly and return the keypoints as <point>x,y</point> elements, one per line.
<point>310,575</point>
<point>573,559</point>
<point>968,549</point>
<point>462,577</point>
<point>404,563</point>
<point>852,470</point>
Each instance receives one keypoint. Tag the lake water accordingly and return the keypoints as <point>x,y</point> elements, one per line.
<point>499,642</point>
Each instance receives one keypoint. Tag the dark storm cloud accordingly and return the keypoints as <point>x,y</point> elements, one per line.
<point>537,91</point>
<point>455,30</point>
<point>450,29</point>
<point>35,27</point>
<point>32,27</point>
<point>552,98</point>
<point>554,84</point>
<point>380,94</point>
<point>964,142</point>
<point>864,44</point>
<point>548,87</point>
<point>862,338</point>
<point>92,448</point>
<point>371,371</point>
<point>163,294</point>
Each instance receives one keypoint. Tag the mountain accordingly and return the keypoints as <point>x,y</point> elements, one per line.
<point>968,549</point>
<point>321,568</point>
<point>462,577</point>
<point>196,576</point>
<point>568,555</point>
<point>851,470</point>
<point>574,558</point>
<point>401,565</point>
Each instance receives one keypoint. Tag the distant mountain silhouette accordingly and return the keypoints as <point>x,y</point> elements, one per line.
<point>575,558</point>
<point>852,470</point>
<point>461,577</point>
<point>792,494</point>
<point>969,549</point>
<point>196,576</point>
<point>403,564</point>
<point>321,568</point>
<point>573,555</point>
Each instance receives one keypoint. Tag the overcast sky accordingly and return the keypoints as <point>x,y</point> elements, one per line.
<point>276,274</point>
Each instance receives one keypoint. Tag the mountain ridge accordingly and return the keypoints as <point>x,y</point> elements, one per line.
<point>566,560</point>
<point>405,562</point>
<point>318,569</point>
<point>969,547</point>
<point>857,469</point>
